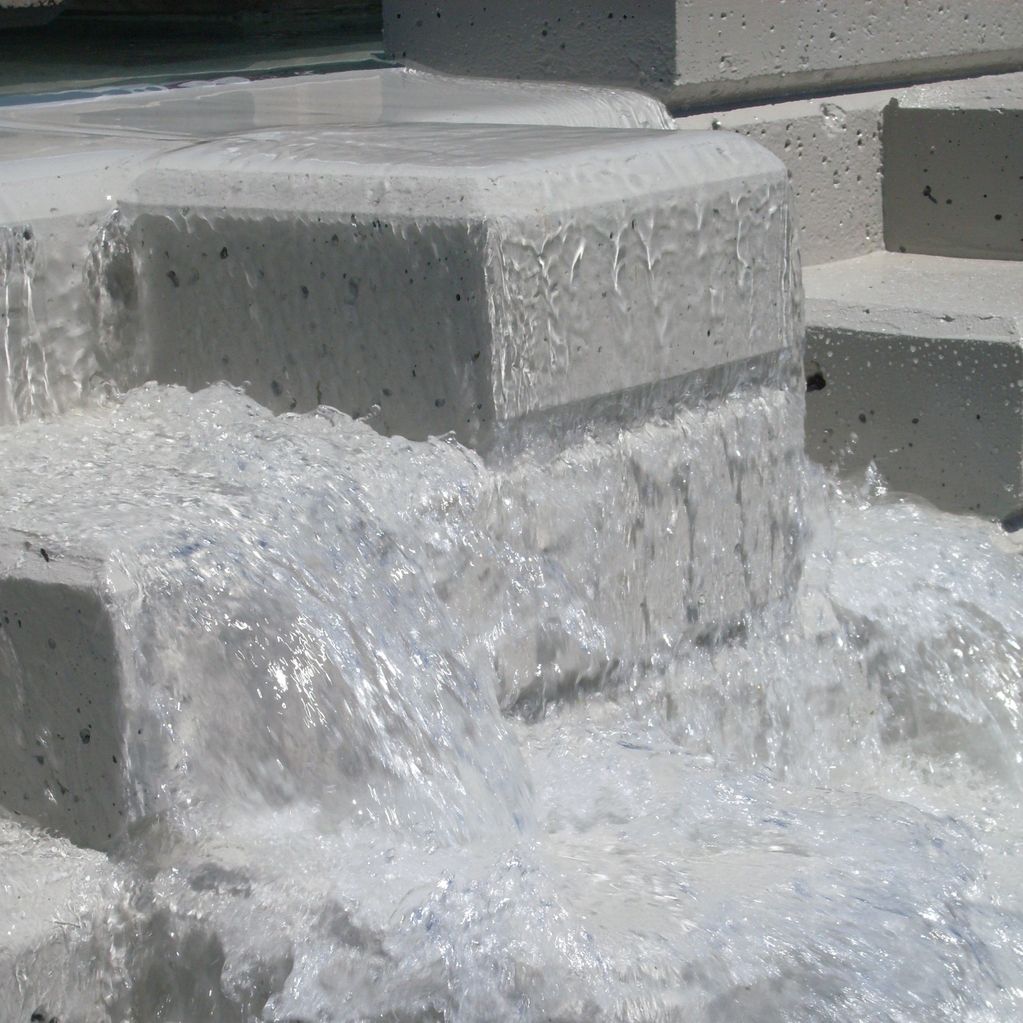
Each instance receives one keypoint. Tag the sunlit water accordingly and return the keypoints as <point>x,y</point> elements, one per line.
<point>342,815</point>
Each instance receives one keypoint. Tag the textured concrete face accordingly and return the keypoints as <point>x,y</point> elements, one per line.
<point>695,52</point>
<point>623,44</point>
<point>932,137</point>
<point>67,291</point>
<point>460,278</point>
<point>750,48</point>
<point>917,365</point>
<point>388,96</point>
<point>832,149</point>
<point>953,182</point>
<point>61,742</point>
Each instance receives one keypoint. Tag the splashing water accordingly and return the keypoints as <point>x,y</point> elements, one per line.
<point>344,810</point>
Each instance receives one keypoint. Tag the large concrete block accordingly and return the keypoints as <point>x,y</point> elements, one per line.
<point>461,278</point>
<point>66,291</point>
<point>56,193</point>
<point>932,134</point>
<point>62,760</point>
<point>916,364</point>
<point>695,52</point>
<point>953,171</point>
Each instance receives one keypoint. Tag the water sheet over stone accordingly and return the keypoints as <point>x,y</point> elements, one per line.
<point>460,278</point>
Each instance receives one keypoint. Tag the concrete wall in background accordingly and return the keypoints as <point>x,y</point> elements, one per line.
<point>695,53</point>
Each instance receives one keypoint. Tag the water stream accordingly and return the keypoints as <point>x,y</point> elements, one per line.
<point>645,718</point>
<point>344,808</point>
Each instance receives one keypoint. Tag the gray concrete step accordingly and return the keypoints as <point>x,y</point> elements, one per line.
<point>460,278</point>
<point>855,193</point>
<point>953,170</point>
<point>915,363</point>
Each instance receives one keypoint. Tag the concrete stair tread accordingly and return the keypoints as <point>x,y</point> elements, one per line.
<point>914,363</point>
<point>1003,92</point>
<point>474,220</point>
<point>913,295</point>
<point>832,146</point>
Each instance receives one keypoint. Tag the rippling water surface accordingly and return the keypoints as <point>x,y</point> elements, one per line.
<point>342,811</point>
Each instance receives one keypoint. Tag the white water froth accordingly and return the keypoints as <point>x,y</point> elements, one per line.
<point>812,817</point>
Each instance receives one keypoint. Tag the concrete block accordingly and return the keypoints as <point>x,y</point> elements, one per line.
<point>953,181</point>
<point>747,48</point>
<point>458,279</point>
<point>66,286</point>
<point>832,149</point>
<point>698,53</point>
<point>916,364</point>
<point>62,759</point>
<point>56,195</point>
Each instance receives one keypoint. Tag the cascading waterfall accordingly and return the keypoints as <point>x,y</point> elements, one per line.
<point>814,816</point>
<point>632,714</point>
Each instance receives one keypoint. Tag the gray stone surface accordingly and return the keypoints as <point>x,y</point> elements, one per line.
<point>695,52</point>
<point>953,180</point>
<point>62,761</point>
<point>922,362</point>
<point>850,193</point>
<point>459,278</point>
<point>832,150</point>
<point>66,288</point>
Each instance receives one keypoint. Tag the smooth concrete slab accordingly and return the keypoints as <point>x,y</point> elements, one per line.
<point>953,180</point>
<point>458,278</point>
<point>916,364</point>
<point>698,53</point>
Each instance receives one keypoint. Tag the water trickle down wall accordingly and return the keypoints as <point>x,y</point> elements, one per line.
<point>25,383</point>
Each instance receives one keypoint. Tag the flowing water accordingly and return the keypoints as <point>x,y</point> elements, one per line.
<point>343,808</point>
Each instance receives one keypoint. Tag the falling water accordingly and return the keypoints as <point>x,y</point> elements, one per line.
<point>389,759</point>
<point>24,377</point>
